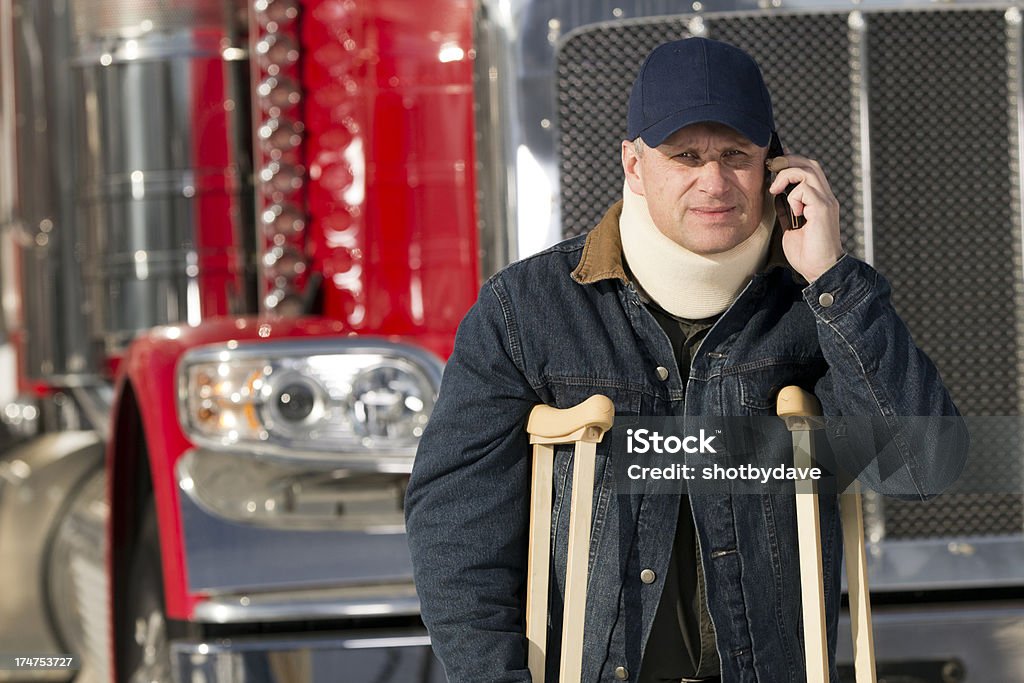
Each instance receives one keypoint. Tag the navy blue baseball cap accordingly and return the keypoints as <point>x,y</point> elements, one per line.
<point>696,80</point>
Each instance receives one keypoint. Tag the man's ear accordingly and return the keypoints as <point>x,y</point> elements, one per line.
<point>631,167</point>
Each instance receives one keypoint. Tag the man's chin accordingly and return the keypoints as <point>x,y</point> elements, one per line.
<point>708,240</point>
<point>711,245</point>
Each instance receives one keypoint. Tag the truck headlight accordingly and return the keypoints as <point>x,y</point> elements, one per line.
<point>345,398</point>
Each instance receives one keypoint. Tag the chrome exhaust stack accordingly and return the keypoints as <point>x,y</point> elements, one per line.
<point>37,104</point>
<point>130,181</point>
<point>163,166</point>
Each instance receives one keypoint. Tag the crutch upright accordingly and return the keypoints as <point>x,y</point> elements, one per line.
<point>802,414</point>
<point>584,425</point>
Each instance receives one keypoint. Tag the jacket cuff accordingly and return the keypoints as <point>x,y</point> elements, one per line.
<point>840,288</point>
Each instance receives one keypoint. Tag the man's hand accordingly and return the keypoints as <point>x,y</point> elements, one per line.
<point>814,248</point>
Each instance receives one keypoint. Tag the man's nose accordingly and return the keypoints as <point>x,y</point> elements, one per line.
<point>713,178</point>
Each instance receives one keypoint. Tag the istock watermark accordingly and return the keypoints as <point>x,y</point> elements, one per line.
<point>907,457</point>
<point>641,441</point>
<point>762,475</point>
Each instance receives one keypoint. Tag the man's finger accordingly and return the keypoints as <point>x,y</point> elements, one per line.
<point>791,176</point>
<point>776,164</point>
<point>779,163</point>
<point>796,203</point>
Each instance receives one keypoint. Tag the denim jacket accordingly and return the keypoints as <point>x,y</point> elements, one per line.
<point>565,324</point>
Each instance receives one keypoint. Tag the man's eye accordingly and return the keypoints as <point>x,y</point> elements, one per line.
<point>735,152</point>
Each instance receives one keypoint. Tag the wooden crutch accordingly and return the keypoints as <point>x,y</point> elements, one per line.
<point>801,412</point>
<point>584,425</point>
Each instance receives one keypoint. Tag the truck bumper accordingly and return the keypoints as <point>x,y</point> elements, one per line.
<point>947,643</point>
<point>381,656</point>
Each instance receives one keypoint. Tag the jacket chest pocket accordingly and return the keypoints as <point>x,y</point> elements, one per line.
<point>759,387</point>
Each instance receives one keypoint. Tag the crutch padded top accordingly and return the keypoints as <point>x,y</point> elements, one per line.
<point>552,423</point>
<point>795,402</point>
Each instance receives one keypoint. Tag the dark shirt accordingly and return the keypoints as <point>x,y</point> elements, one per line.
<point>682,640</point>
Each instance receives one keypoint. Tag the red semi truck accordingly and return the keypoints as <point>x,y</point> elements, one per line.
<point>241,235</point>
<point>247,233</point>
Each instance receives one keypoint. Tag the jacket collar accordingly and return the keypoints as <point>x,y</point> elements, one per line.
<point>602,252</point>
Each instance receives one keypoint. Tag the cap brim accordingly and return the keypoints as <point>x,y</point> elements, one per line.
<point>755,131</point>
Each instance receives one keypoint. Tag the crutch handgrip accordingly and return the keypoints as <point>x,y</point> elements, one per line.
<point>800,409</point>
<point>589,419</point>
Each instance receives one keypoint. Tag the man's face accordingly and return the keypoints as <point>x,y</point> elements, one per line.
<point>704,186</point>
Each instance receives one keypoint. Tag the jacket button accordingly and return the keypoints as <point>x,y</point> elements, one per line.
<point>662,373</point>
<point>648,576</point>
<point>826,300</point>
<point>621,673</point>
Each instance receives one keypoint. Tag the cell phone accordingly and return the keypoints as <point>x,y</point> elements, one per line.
<point>788,219</point>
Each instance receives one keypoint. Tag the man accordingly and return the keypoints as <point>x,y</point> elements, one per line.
<point>688,298</point>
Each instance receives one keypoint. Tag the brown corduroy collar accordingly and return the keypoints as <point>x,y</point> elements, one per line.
<point>602,252</point>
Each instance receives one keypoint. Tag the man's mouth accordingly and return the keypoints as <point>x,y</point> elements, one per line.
<point>712,210</point>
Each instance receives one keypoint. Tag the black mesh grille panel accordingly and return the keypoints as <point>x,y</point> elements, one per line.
<point>945,232</point>
<point>941,93</point>
<point>805,60</point>
<point>596,69</point>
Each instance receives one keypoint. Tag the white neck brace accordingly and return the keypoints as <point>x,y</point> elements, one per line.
<point>686,284</point>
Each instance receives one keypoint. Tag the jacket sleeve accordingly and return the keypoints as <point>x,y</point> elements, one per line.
<point>889,418</point>
<point>467,501</point>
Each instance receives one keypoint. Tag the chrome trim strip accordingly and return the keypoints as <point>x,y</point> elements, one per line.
<point>981,640</point>
<point>495,94</point>
<point>395,641</point>
<point>8,173</point>
<point>1015,76</point>
<point>862,126</point>
<point>9,298</point>
<point>385,656</point>
<point>225,557</point>
<point>284,472</point>
<point>390,600</point>
<point>127,19</point>
<point>183,44</point>
<point>946,563</point>
<point>398,461</point>
<point>295,642</point>
<point>230,351</point>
